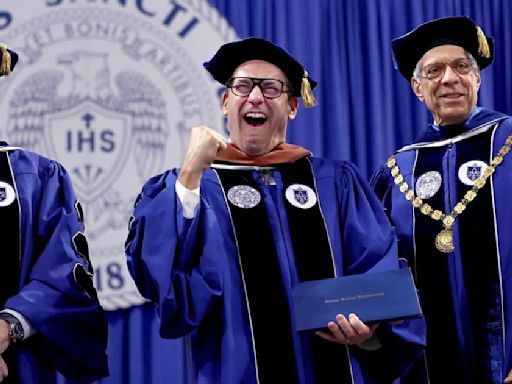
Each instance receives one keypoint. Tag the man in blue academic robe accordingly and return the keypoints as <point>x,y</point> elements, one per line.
<point>50,320</point>
<point>448,195</point>
<point>219,244</point>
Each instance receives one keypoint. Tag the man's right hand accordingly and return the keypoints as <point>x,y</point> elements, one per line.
<point>203,146</point>
<point>349,330</point>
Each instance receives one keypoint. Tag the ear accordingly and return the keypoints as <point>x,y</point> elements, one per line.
<point>416,87</point>
<point>293,103</point>
<point>225,103</point>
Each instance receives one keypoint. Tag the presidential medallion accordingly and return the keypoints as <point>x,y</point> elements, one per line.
<point>444,241</point>
<point>243,196</point>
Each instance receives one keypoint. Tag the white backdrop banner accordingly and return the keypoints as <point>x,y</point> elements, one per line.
<point>110,88</point>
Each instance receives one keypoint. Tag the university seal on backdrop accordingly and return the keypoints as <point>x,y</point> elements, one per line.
<point>110,89</point>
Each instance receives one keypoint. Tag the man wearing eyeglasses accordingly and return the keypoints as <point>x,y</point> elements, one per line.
<point>448,194</point>
<point>219,244</point>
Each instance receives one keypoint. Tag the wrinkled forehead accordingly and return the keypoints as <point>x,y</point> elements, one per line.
<point>442,53</point>
<point>259,69</point>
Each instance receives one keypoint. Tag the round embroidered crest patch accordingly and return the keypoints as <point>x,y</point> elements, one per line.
<point>301,196</point>
<point>7,194</point>
<point>428,184</point>
<point>243,196</point>
<point>470,171</point>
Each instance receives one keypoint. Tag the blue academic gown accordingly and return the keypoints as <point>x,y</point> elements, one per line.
<point>466,294</point>
<point>56,292</point>
<point>190,269</point>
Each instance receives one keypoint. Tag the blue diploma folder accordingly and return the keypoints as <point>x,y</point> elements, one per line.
<point>373,297</point>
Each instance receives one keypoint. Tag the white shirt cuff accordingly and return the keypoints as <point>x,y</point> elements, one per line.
<point>189,199</point>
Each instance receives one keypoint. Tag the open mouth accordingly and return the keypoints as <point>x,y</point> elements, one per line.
<point>255,119</point>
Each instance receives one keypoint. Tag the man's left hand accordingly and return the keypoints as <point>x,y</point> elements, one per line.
<point>508,379</point>
<point>348,331</point>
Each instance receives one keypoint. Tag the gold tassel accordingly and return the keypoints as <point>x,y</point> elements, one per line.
<point>306,92</point>
<point>5,68</point>
<point>483,46</point>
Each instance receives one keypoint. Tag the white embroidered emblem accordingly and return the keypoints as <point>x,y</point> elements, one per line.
<point>7,194</point>
<point>470,171</point>
<point>428,184</point>
<point>243,196</point>
<point>301,196</point>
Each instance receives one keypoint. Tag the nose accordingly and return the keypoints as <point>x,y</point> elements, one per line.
<point>256,95</point>
<point>450,76</point>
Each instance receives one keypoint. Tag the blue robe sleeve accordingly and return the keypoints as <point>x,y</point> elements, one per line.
<point>57,294</point>
<point>175,262</point>
<point>368,240</point>
<point>370,245</point>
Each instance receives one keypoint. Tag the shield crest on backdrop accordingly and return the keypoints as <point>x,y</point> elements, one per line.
<point>91,141</point>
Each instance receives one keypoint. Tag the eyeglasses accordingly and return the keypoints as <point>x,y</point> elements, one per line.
<point>436,71</point>
<point>243,86</point>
